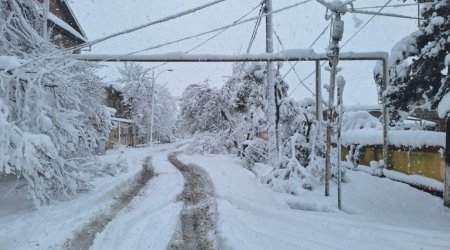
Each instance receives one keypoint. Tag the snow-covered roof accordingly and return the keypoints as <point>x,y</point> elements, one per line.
<point>406,138</point>
<point>75,19</point>
<point>56,20</point>
<point>64,25</point>
<point>122,120</point>
<point>363,107</point>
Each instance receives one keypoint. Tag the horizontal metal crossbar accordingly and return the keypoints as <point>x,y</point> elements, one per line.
<point>287,55</point>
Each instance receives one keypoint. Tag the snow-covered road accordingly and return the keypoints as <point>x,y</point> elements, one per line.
<point>379,213</point>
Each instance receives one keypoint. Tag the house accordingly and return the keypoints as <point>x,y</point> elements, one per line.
<point>124,130</point>
<point>64,29</point>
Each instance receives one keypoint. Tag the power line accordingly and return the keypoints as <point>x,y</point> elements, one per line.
<point>390,6</point>
<point>220,32</point>
<point>292,65</point>
<point>214,30</point>
<point>255,29</point>
<point>346,42</point>
<point>295,64</point>
<point>162,20</point>
<point>165,19</point>
<point>253,36</point>
<point>215,35</point>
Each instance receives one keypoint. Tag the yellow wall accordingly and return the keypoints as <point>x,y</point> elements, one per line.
<point>413,162</point>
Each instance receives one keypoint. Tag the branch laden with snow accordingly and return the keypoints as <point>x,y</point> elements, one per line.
<point>51,117</point>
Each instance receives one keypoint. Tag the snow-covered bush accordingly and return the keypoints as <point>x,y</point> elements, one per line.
<point>51,117</point>
<point>208,143</point>
<point>303,156</point>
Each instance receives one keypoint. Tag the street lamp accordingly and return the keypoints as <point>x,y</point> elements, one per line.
<point>153,99</point>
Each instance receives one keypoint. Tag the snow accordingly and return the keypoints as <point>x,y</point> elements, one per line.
<point>122,120</point>
<point>292,54</point>
<point>444,105</point>
<point>56,20</point>
<point>447,60</point>
<point>9,62</point>
<point>116,85</point>
<point>374,107</point>
<point>379,213</point>
<point>407,138</point>
<point>416,180</point>
<point>151,220</point>
<point>50,226</point>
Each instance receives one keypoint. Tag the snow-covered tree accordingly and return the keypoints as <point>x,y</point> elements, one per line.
<point>51,116</point>
<point>420,62</point>
<point>247,95</point>
<point>137,95</point>
<point>165,114</point>
<point>203,109</point>
<point>303,151</point>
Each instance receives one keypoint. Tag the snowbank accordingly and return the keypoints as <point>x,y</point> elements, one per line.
<point>381,214</point>
<point>406,138</point>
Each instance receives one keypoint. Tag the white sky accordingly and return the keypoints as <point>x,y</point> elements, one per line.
<point>297,27</point>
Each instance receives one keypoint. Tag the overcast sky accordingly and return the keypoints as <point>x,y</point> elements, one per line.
<point>297,27</point>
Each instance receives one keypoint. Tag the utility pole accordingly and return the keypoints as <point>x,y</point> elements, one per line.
<point>46,10</point>
<point>340,109</point>
<point>153,107</point>
<point>333,54</point>
<point>270,90</point>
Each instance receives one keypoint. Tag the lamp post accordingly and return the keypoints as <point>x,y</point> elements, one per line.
<point>153,100</point>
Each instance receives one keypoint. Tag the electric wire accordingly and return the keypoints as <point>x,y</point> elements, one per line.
<point>390,6</point>
<point>347,41</point>
<point>215,35</point>
<point>210,31</point>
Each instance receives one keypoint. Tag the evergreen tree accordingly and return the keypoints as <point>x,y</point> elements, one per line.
<point>420,62</point>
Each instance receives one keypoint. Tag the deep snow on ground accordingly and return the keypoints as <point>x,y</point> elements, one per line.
<point>26,228</point>
<point>379,213</point>
<point>152,218</point>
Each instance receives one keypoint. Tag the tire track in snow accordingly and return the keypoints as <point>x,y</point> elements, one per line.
<point>197,227</point>
<point>85,238</point>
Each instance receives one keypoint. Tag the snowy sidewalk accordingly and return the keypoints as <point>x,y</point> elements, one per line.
<point>49,227</point>
<point>381,214</point>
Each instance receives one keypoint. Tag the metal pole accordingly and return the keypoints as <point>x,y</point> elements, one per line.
<point>385,118</point>
<point>333,50</point>
<point>340,88</point>
<point>46,9</point>
<point>270,90</point>
<point>153,106</point>
<point>318,92</point>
